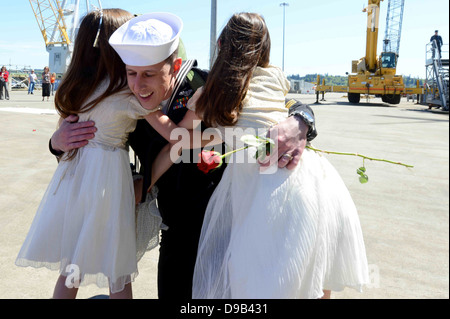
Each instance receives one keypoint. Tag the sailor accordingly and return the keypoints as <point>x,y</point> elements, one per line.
<point>436,41</point>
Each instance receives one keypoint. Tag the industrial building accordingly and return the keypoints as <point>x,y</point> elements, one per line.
<point>301,86</point>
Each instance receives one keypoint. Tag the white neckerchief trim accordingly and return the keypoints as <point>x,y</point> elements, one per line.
<point>184,70</point>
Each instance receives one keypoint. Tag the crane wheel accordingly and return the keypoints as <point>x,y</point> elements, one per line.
<point>354,98</point>
<point>391,99</point>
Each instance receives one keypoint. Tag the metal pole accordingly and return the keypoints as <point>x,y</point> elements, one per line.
<point>212,45</point>
<point>284,5</point>
<point>75,21</point>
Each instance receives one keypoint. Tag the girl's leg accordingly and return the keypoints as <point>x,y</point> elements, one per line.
<point>326,294</point>
<point>62,292</point>
<point>126,293</point>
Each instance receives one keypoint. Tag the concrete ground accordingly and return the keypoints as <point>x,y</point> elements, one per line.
<point>404,212</point>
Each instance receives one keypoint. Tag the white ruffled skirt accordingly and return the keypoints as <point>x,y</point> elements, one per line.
<point>85,224</point>
<point>290,234</point>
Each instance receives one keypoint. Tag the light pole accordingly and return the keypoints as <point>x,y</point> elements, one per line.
<point>284,5</point>
<point>212,44</point>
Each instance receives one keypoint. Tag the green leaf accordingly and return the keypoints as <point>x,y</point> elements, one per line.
<point>252,140</point>
<point>269,141</point>
<point>264,145</point>
<point>363,179</point>
<point>261,152</point>
<point>270,146</point>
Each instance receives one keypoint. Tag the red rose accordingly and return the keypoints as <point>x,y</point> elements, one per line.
<point>209,160</point>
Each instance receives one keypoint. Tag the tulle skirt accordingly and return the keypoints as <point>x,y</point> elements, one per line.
<point>290,234</point>
<point>85,224</point>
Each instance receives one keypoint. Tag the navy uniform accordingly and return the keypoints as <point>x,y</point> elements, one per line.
<point>183,194</point>
<point>436,40</point>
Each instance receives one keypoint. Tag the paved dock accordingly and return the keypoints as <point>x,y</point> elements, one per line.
<point>404,212</point>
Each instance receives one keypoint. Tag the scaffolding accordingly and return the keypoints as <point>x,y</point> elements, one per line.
<point>437,77</point>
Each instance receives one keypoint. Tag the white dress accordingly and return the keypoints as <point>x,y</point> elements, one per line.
<point>278,235</point>
<point>85,224</point>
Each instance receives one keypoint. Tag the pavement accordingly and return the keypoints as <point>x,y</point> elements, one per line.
<point>404,212</point>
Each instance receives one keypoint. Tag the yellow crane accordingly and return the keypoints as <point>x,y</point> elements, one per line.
<point>58,21</point>
<point>50,18</point>
<point>373,75</point>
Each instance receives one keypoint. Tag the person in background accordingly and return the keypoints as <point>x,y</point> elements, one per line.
<point>46,85</point>
<point>32,78</point>
<point>52,82</point>
<point>4,76</point>
<point>436,41</point>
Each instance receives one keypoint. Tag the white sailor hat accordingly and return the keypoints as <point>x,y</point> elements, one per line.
<point>147,39</point>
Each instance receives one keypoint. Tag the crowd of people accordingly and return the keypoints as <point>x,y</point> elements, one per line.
<point>48,82</point>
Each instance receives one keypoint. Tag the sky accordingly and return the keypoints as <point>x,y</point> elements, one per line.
<point>321,36</point>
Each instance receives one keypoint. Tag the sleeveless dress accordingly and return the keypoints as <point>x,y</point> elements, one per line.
<point>277,234</point>
<point>85,224</point>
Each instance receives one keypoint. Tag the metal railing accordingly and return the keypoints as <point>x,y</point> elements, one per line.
<point>437,75</point>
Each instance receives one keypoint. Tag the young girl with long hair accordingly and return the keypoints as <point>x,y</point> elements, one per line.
<point>290,234</point>
<point>85,224</point>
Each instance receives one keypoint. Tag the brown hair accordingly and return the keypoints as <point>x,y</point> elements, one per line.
<point>243,45</point>
<point>91,65</point>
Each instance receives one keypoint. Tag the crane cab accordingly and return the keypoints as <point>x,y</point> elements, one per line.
<point>388,63</point>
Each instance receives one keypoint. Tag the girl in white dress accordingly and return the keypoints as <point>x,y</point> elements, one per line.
<point>287,234</point>
<point>85,224</point>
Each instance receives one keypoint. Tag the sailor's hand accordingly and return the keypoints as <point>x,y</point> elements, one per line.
<point>290,142</point>
<point>72,134</point>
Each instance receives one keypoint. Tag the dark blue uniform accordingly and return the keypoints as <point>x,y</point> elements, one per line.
<point>438,42</point>
<point>184,192</point>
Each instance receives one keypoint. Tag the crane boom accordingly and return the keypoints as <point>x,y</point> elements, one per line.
<point>49,16</point>
<point>58,21</point>
<point>394,19</point>
<point>373,18</point>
